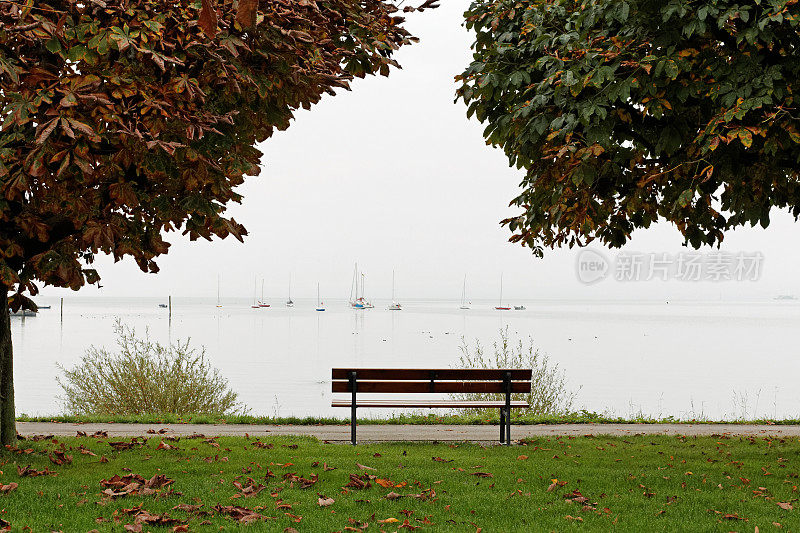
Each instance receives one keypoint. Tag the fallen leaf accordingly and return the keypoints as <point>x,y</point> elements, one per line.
<point>325,502</point>
<point>27,471</point>
<point>733,516</point>
<point>247,489</point>
<point>362,467</point>
<point>57,457</point>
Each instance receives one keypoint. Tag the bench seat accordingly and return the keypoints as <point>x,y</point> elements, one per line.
<point>461,404</point>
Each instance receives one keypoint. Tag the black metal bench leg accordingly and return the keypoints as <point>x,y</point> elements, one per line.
<point>353,404</point>
<point>353,425</point>
<point>502,424</point>
<point>508,428</point>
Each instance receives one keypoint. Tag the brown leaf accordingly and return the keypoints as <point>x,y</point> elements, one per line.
<point>241,514</point>
<point>208,19</point>
<point>27,471</point>
<point>47,130</point>
<point>362,467</point>
<point>393,496</point>
<point>785,505</point>
<point>86,451</point>
<point>733,516</point>
<point>325,502</point>
<point>187,507</point>
<point>482,474</point>
<point>57,457</point>
<point>5,489</point>
<point>247,489</point>
<point>357,482</point>
<point>246,15</point>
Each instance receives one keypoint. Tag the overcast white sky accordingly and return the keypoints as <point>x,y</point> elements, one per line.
<point>394,176</point>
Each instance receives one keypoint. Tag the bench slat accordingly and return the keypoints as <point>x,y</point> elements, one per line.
<point>445,374</point>
<point>365,402</point>
<point>416,387</point>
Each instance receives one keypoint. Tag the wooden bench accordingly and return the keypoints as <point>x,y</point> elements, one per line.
<point>417,381</point>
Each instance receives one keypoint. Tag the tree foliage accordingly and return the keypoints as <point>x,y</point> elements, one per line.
<point>626,112</point>
<point>125,120</point>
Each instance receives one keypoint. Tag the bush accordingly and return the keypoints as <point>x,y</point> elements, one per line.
<point>145,377</point>
<point>549,392</point>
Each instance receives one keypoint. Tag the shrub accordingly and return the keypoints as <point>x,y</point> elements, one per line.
<point>549,394</point>
<point>146,377</point>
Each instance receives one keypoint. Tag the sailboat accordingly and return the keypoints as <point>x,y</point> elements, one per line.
<point>262,302</point>
<point>219,282</point>
<point>395,306</point>
<point>464,304</point>
<point>320,304</point>
<point>358,301</point>
<point>255,284</point>
<point>500,307</point>
<point>289,302</point>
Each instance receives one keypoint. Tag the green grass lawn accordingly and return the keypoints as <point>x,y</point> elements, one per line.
<point>635,484</point>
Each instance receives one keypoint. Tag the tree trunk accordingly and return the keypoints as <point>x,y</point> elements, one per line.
<point>8,422</point>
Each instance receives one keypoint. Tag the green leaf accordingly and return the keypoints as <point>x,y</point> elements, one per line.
<point>77,52</point>
<point>746,137</point>
<point>686,197</point>
<point>53,45</point>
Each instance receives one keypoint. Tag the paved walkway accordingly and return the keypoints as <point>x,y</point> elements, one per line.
<point>410,432</point>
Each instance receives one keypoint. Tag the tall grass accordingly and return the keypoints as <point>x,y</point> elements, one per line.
<point>550,394</point>
<point>146,377</point>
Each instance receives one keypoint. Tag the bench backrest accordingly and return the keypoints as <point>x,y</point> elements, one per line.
<point>436,380</point>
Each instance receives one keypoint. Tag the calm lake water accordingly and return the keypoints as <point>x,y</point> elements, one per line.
<point>719,360</point>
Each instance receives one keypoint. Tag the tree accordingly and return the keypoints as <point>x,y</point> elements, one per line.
<point>626,112</point>
<point>122,121</point>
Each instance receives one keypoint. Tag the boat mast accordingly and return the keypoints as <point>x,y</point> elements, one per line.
<point>262,290</point>
<point>219,278</point>
<point>464,291</point>
<point>392,285</point>
<point>354,285</point>
<point>501,289</point>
